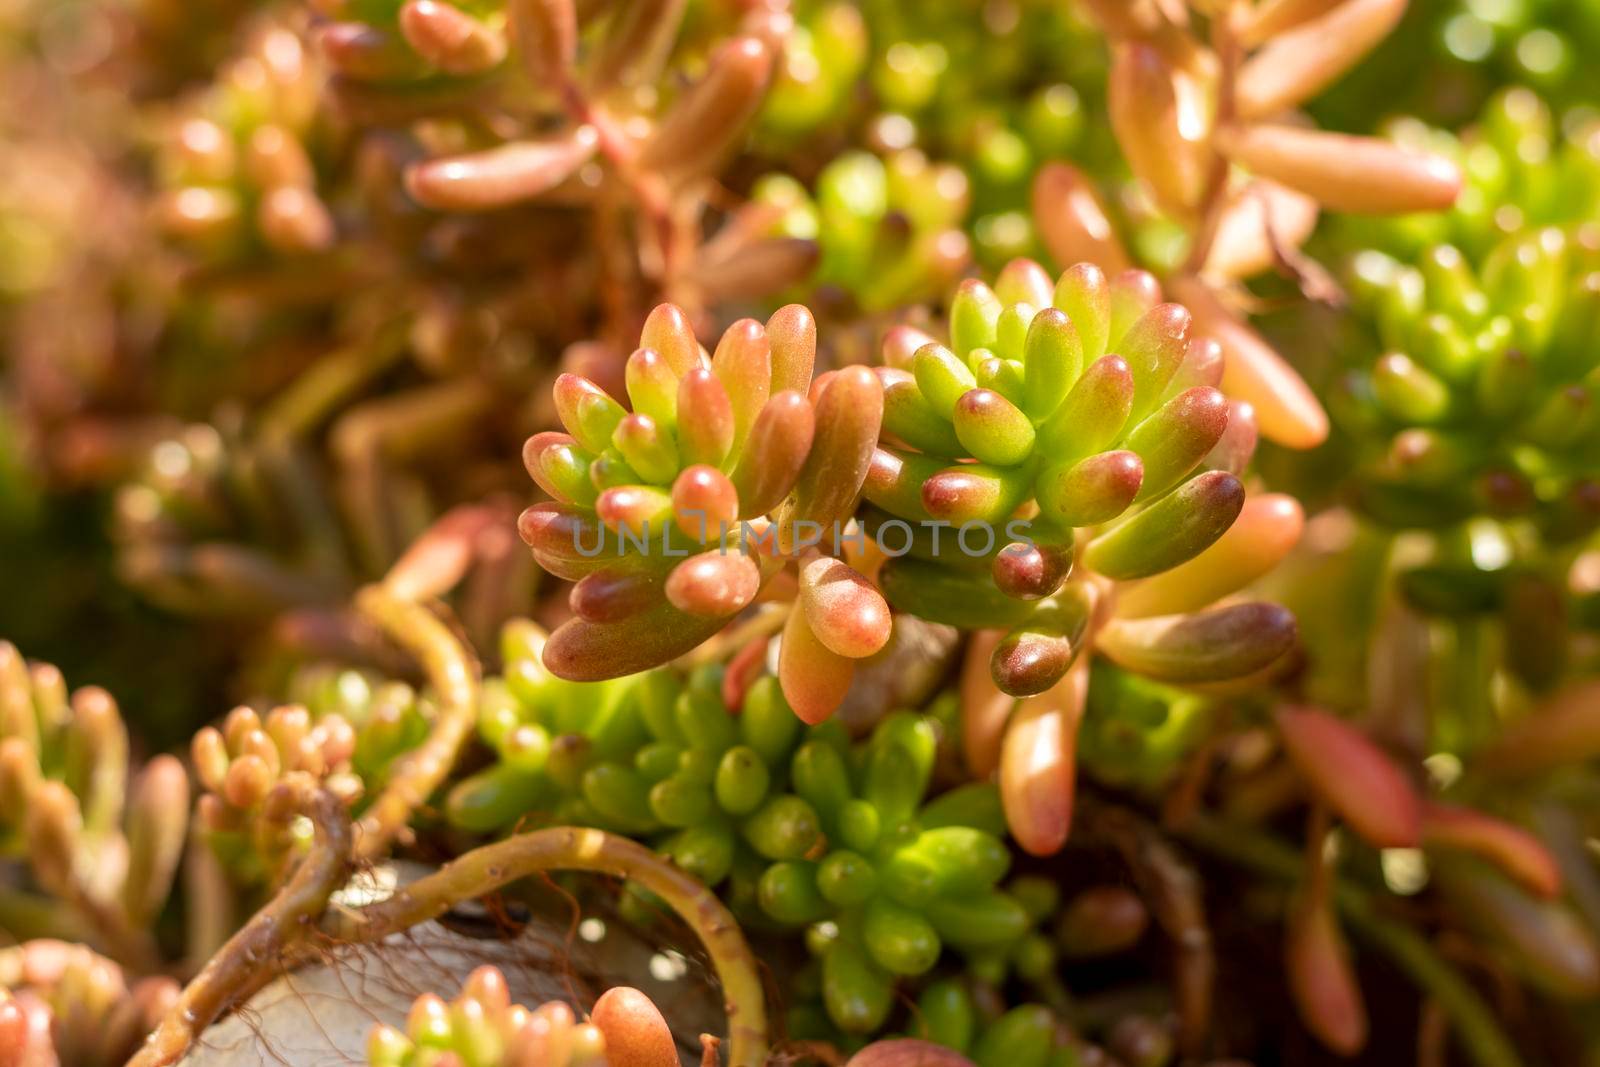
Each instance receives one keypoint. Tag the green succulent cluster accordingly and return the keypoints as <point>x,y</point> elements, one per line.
<point>1525,168</point>
<point>1136,732</point>
<point>800,826</point>
<point>994,99</point>
<point>889,229</point>
<point>900,878</point>
<point>1482,400</point>
<point>1033,1034</point>
<point>1059,413</point>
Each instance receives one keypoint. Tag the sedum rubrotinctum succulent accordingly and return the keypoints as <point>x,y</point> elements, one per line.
<point>1065,475</point>
<point>661,514</point>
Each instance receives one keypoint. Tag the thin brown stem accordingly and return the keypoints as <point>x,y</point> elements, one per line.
<point>245,962</point>
<point>453,674</point>
<point>486,869</point>
<point>1170,885</point>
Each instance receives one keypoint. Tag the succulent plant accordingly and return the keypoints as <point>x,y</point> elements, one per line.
<point>236,167</point>
<point>101,839</point>
<point>481,1027</point>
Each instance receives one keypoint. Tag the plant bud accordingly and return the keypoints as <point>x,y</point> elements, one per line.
<point>848,414</point>
<point>792,338</point>
<point>1353,776</point>
<point>942,378</point>
<point>743,364</point>
<point>1511,848</point>
<point>1174,439</point>
<point>1268,526</point>
<point>209,753</point>
<point>1085,295</point>
<point>857,993</point>
<point>1171,531</point>
<point>667,331</point>
<point>1033,658</point>
<point>635,511</point>
<point>157,830</point>
<point>1090,491</point>
<point>559,467</point>
<point>1321,979</point>
<point>1052,361</point>
<point>1363,175</point>
<point>568,541</point>
<point>1038,766</point>
<point>1408,392</point>
<point>1025,1034</point>
<point>1092,416</point>
<point>498,177</point>
<point>1211,646</point>
<point>248,780</point>
<point>1101,921</point>
<point>814,677</point>
<point>705,503</point>
<point>450,39</point>
<point>588,414</point>
<point>775,453</point>
<point>647,448</point>
<point>714,584</point>
<point>652,386</point>
<point>1023,281</point>
<point>1159,134</point>
<point>697,131</point>
<point>706,422</point>
<point>546,34</point>
<point>843,609</point>
<point>908,417</point>
<point>635,1032</point>
<point>1072,223</point>
<point>993,429</point>
<point>1031,571</point>
<point>19,776</point>
<point>54,829</point>
<point>611,596</point>
<point>974,317</point>
<point>1154,346</point>
<point>973,493</point>
<point>1300,63</point>
<point>366,53</point>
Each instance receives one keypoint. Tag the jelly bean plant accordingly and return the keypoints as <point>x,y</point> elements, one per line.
<point>626,533</point>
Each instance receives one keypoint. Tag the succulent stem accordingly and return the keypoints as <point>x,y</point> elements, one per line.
<point>571,849</point>
<point>454,676</point>
<point>244,963</point>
